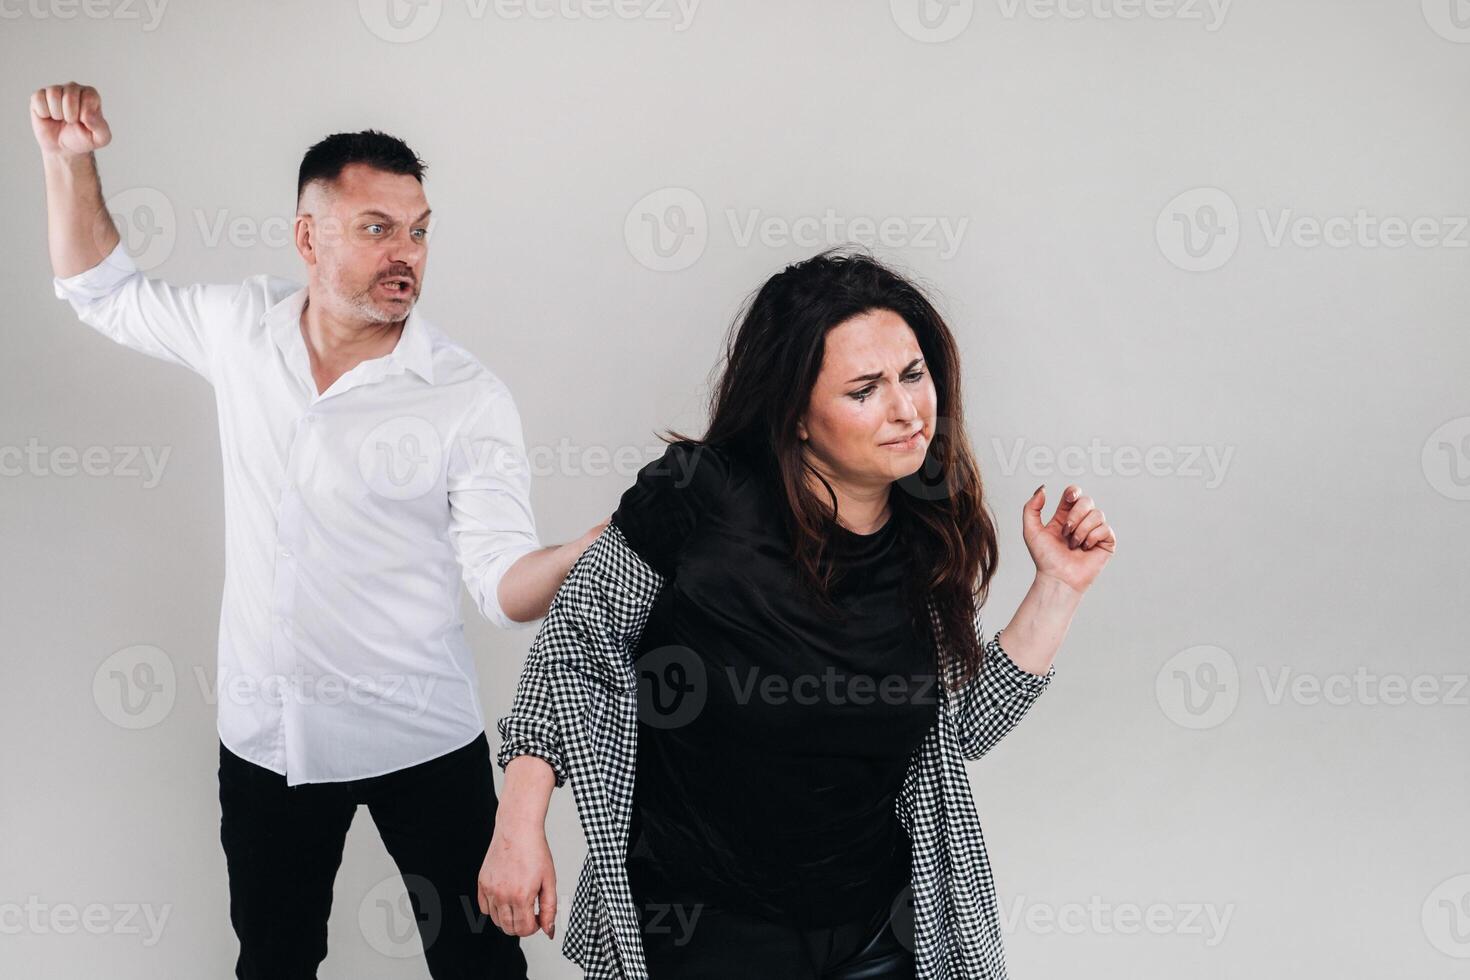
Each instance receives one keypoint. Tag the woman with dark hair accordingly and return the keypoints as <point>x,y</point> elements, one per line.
<point>764,677</point>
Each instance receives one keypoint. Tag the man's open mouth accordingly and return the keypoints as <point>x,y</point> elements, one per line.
<point>398,286</point>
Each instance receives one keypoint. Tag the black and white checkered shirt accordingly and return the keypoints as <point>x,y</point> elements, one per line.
<point>576,707</point>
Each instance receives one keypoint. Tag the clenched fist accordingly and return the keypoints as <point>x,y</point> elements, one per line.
<point>67,119</point>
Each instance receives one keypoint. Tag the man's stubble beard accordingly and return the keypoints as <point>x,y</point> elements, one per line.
<point>362,305</point>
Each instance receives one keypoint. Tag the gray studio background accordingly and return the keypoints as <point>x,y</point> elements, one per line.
<point>1207,261</point>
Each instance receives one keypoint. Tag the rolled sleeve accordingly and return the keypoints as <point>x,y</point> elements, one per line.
<point>99,281</point>
<point>531,728</point>
<point>1013,674</point>
<point>178,324</point>
<point>995,701</point>
<point>585,645</point>
<point>491,525</point>
<point>489,601</point>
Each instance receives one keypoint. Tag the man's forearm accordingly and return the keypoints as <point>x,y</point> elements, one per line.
<point>527,588</point>
<point>80,230</point>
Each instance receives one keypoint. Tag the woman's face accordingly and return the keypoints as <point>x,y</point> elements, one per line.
<point>874,390</point>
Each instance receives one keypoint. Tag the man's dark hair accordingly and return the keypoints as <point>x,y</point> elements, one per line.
<point>326,160</point>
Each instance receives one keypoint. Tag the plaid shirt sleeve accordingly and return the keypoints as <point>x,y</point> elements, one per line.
<point>590,630</point>
<point>530,728</point>
<point>994,701</point>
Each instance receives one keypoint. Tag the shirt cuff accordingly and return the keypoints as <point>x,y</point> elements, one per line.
<point>490,597</point>
<point>518,738</point>
<point>1014,672</point>
<point>100,280</point>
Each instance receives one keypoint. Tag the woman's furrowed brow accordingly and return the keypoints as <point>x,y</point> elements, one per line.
<point>878,376</point>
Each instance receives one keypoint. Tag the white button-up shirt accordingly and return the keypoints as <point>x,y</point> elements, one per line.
<point>350,518</point>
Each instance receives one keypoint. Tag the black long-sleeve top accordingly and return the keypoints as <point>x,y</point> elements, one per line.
<point>773,740</point>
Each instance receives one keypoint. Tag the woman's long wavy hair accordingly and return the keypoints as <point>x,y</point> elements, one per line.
<point>771,363</point>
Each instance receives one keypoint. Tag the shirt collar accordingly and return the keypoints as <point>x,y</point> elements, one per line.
<point>414,350</point>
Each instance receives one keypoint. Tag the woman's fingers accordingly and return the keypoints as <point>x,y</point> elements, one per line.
<point>1031,512</point>
<point>526,923</point>
<point>1079,510</point>
<point>525,918</point>
<point>1102,537</point>
<point>1081,524</point>
<point>548,906</point>
<point>1084,527</point>
<point>514,917</point>
<point>1067,507</point>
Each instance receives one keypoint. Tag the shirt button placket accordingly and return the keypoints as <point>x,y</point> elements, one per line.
<point>283,598</point>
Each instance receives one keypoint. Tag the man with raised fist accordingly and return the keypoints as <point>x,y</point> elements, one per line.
<point>370,463</point>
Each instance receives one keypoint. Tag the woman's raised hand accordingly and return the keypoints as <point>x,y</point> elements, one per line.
<point>1075,544</point>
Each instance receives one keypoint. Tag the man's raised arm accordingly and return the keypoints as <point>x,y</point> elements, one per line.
<point>179,324</point>
<point>69,126</point>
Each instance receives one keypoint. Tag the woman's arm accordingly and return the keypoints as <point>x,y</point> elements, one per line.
<point>518,873</point>
<point>591,630</point>
<point>517,886</point>
<point>1035,632</point>
<point>994,702</point>
<point>1069,551</point>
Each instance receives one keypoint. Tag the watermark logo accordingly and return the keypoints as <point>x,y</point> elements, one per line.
<point>1199,230</point>
<point>401,916</point>
<point>1450,19</point>
<point>405,21</point>
<point>1446,917</point>
<point>1205,463</point>
<point>942,234</point>
<point>672,919</point>
<point>150,12</point>
<point>566,458</point>
<point>135,687</point>
<point>37,918</point>
<point>36,459</point>
<point>831,686</point>
<point>932,21</point>
<point>1206,921</point>
<point>667,230</point>
<point>1198,687</point>
<point>401,458</point>
<point>1446,459</point>
<point>672,686</point>
<point>1201,686</point>
<point>1210,13</point>
<point>1361,687</point>
<point>145,220</point>
<point>410,693</point>
<point>1362,229</point>
<point>400,21</point>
